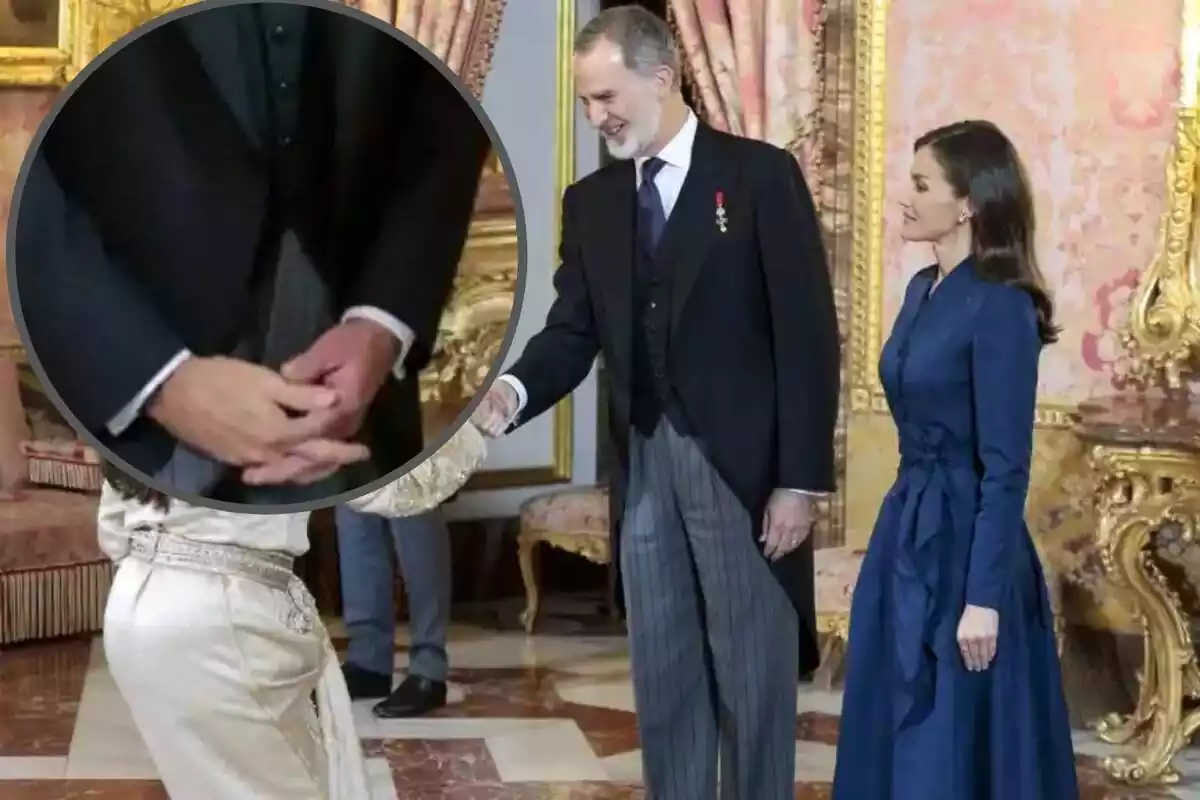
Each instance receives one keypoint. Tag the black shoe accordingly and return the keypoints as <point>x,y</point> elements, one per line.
<point>365,684</point>
<point>414,697</point>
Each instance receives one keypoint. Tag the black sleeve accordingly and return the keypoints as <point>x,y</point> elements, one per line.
<point>803,324</point>
<point>97,335</point>
<point>410,270</point>
<point>561,354</point>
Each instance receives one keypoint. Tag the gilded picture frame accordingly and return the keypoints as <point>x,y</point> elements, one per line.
<point>41,41</point>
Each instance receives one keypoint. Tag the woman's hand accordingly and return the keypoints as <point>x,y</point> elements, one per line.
<point>977,632</point>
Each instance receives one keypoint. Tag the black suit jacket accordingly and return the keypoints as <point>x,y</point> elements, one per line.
<point>140,223</point>
<point>754,350</point>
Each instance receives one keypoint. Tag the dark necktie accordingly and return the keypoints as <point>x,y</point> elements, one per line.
<point>651,217</point>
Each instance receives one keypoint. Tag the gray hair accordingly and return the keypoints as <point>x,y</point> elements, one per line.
<point>645,39</point>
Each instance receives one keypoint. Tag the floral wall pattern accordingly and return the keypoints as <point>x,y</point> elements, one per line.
<point>21,112</point>
<point>1086,89</point>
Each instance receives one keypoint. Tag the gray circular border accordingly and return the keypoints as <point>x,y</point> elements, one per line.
<point>501,151</point>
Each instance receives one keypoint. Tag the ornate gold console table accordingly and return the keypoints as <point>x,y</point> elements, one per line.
<point>1144,454</point>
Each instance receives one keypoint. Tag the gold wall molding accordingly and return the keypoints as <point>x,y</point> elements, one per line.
<point>559,470</point>
<point>1164,315</point>
<point>85,29</point>
<point>51,65</point>
<point>866,272</point>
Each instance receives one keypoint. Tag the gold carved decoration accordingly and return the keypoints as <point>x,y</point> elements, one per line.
<point>44,45</point>
<point>1164,315</point>
<point>867,329</point>
<point>1139,493</point>
<point>85,29</point>
<point>473,327</point>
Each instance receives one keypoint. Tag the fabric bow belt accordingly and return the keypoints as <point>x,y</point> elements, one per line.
<point>927,459</point>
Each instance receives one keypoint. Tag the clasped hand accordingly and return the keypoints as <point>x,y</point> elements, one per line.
<point>286,427</point>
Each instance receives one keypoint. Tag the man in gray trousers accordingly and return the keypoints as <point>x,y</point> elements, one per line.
<point>694,264</point>
<point>422,548</point>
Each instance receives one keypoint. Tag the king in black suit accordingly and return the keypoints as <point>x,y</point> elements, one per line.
<point>238,181</point>
<point>696,266</point>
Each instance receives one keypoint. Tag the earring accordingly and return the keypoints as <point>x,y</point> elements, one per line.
<point>963,217</point>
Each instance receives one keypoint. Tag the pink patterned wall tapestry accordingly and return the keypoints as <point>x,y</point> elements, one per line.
<point>21,112</point>
<point>1085,88</point>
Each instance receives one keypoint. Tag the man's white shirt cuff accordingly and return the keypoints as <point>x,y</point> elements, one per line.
<point>522,395</point>
<point>402,332</point>
<point>132,410</point>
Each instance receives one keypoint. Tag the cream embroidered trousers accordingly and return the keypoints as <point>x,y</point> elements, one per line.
<point>218,655</point>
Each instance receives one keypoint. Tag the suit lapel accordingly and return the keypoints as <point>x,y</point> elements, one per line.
<point>688,237</point>
<point>225,43</point>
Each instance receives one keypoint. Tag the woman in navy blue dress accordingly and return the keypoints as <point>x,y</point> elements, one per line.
<point>953,687</point>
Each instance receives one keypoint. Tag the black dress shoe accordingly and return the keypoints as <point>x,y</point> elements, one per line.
<point>414,697</point>
<point>365,684</point>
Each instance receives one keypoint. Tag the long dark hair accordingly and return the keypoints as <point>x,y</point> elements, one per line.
<point>132,489</point>
<point>981,165</point>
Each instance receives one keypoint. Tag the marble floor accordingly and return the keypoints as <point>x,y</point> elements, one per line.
<point>547,717</point>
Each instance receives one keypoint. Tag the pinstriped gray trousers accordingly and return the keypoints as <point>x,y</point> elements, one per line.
<point>713,636</point>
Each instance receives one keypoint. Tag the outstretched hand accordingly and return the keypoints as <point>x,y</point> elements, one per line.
<point>495,414</point>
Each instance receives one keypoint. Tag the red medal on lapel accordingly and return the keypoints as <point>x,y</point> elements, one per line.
<point>722,218</point>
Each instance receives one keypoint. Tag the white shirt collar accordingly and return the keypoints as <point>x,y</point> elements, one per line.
<point>677,152</point>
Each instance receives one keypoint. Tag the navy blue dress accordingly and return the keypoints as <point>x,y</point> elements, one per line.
<point>960,373</point>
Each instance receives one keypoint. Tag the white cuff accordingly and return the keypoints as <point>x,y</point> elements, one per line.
<point>807,493</point>
<point>522,395</point>
<point>129,414</point>
<point>402,332</point>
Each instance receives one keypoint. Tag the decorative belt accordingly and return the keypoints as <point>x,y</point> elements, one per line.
<point>155,545</point>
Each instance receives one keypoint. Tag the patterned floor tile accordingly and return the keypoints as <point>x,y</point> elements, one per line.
<point>419,764</point>
<point>509,691</point>
<point>40,687</point>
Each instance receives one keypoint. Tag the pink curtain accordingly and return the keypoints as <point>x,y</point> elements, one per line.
<point>756,69</point>
<point>461,33</point>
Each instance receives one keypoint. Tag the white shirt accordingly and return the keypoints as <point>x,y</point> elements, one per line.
<point>279,533</point>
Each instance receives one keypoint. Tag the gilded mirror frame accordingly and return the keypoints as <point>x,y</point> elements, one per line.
<point>1163,330</point>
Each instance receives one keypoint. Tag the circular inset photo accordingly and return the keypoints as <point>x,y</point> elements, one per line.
<point>254,257</point>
